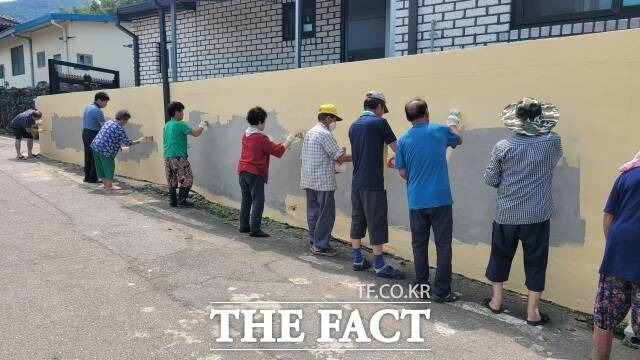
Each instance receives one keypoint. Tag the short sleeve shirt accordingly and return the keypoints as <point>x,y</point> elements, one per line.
<point>93,117</point>
<point>109,139</point>
<point>369,135</point>
<point>23,120</point>
<point>422,152</point>
<point>622,250</point>
<point>174,136</point>
<point>320,150</point>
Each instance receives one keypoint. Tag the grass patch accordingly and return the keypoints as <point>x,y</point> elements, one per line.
<point>226,213</point>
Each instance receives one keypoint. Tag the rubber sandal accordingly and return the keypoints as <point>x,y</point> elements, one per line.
<point>544,318</point>
<point>388,272</point>
<point>21,157</point>
<point>486,302</point>
<point>362,266</point>
<point>35,156</point>
<point>447,299</point>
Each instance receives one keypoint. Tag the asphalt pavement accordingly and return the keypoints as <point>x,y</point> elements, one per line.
<point>86,274</point>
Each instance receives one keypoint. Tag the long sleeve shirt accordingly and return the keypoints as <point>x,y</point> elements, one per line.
<point>521,168</point>
<point>257,149</point>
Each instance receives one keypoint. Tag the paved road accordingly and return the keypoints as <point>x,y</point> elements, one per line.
<point>85,275</point>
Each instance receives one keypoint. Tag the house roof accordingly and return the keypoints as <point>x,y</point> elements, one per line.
<point>149,8</point>
<point>45,20</point>
<point>7,21</point>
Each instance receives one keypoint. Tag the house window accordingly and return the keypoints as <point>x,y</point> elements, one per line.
<point>41,58</point>
<point>529,12</point>
<point>85,59</point>
<point>1,71</point>
<point>17,60</point>
<point>169,58</point>
<point>308,20</point>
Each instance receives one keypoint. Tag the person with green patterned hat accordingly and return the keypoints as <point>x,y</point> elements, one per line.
<point>521,168</point>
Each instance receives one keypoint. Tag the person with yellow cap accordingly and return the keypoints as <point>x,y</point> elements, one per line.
<point>320,155</point>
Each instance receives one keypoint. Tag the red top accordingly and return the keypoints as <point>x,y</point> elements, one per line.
<point>256,151</point>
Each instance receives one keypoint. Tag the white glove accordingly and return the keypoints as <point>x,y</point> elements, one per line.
<point>290,139</point>
<point>454,117</point>
<point>204,125</point>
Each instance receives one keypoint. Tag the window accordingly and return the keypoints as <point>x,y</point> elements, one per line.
<point>528,12</point>
<point>167,54</point>
<point>1,71</point>
<point>41,58</point>
<point>85,59</point>
<point>17,60</point>
<point>308,20</point>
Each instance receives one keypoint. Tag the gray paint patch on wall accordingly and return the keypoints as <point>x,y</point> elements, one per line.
<point>475,201</point>
<point>140,151</point>
<point>66,132</point>
<point>214,160</point>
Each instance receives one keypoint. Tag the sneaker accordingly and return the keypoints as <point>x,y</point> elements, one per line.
<point>259,234</point>
<point>452,297</point>
<point>322,252</point>
<point>388,272</point>
<point>362,266</point>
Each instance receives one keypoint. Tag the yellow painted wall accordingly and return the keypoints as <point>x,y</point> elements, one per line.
<point>591,78</point>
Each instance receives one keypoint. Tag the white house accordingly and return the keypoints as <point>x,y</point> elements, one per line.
<point>77,38</point>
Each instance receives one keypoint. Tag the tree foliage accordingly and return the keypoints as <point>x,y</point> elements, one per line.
<point>100,6</point>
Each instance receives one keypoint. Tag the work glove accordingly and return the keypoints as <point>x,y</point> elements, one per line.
<point>204,125</point>
<point>454,117</point>
<point>391,163</point>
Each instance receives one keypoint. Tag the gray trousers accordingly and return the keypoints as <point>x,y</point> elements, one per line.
<point>321,215</point>
<point>252,187</point>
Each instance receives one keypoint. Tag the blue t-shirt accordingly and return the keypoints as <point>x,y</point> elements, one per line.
<point>23,120</point>
<point>369,135</point>
<point>622,250</point>
<point>93,118</point>
<point>422,152</point>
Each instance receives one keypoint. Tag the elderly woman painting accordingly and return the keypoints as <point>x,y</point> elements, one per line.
<point>106,145</point>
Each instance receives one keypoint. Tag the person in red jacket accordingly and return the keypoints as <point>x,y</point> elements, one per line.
<point>253,170</point>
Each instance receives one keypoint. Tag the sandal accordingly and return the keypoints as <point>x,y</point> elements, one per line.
<point>21,157</point>
<point>34,156</point>
<point>544,318</point>
<point>388,272</point>
<point>486,302</point>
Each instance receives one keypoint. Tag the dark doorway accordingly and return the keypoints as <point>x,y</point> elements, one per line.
<point>365,24</point>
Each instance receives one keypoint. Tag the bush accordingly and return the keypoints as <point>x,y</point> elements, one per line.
<point>14,101</point>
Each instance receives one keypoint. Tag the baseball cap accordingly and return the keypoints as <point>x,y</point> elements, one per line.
<point>375,94</point>
<point>329,109</point>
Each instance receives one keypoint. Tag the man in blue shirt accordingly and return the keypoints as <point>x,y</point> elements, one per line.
<point>369,135</point>
<point>619,285</point>
<point>92,121</point>
<point>421,159</point>
<point>22,127</point>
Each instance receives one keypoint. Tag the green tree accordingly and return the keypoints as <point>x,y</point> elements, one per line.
<point>100,6</point>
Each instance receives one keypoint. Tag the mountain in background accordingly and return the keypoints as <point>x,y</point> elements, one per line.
<point>25,10</point>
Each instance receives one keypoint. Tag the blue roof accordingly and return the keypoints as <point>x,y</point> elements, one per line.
<point>46,19</point>
<point>42,20</point>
